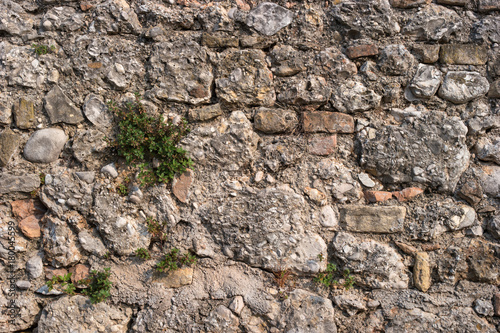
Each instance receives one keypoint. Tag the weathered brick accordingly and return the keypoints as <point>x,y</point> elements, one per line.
<point>328,122</point>
<point>362,51</point>
<point>463,54</point>
<point>453,2</point>
<point>386,219</point>
<point>377,196</point>
<point>323,145</point>
<point>408,3</point>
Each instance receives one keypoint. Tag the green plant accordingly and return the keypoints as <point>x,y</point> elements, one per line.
<point>122,189</point>
<point>155,228</point>
<point>327,278</point>
<point>143,139</point>
<point>41,49</point>
<point>143,253</point>
<point>64,281</point>
<point>348,279</point>
<point>107,255</point>
<point>173,261</point>
<point>42,178</point>
<point>98,286</point>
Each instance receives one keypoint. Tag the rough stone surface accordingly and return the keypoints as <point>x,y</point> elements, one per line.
<point>322,145</point>
<point>329,122</point>
<point>269,18</point>
<point>354,97</point>
<point>181,184</point>
<point>96,111</point>
<point>30,226</point>
<point>426,81</point>
<point>462,87</point>
<point>24,114</point>
<point>177,278</point>
<point>59,243</point>
<point>373,219</point>
<point>454,54</point>
<point>418,152</point>
<point>45,145</point>
<point>422,271</point>
<point>9,141</point>
<point>275,121</point>
<point>25,183</point>
<point>395,60</point>
<point>60,108</point>
<point>433,23</point>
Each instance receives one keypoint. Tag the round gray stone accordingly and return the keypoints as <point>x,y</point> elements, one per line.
<point>462,87</point>
<point>45,145</point>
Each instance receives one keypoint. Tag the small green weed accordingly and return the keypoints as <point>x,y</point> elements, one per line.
<point>143,139</point>
<point>143,253</point>
<point>42,178</point>
<point>327,278</point>
<point>155,228</point>
<point>98,286</point>
<point>174,261</point>
<point>64,281</point>
<point>41,49</point>
<point>122,189</point>
<point>348,279</point>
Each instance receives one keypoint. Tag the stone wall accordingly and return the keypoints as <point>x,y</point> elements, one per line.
<point>363,133</point>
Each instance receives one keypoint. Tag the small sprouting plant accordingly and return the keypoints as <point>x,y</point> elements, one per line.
<point>143,253</point>
<point>327,278</point>
<point>41,49</point>
<point>348,279</point>
<point>42,178</point>
<point>173,261</point>
<point>150,143</point>
<point>64,281</point>
<point>35,193</point>
<point>107,255</point>
<point>98,286</point>
<point>122,189</point>
<point>155,228</point>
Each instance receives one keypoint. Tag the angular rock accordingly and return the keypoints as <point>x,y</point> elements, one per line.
<point>301,90</point>
<point>79,272</point>
<point>354,97</point>
<point>336,64</point>
<point>116,76</point>
<point>380,219</point>
<point>181,184</point>
<point>9,142</point>
<point>45,145</point>
<point>14,20</point>
<point>286,61</point>
<point>275,120</point>
<point>237,304</point>
<point>489,177</point>
<point>463,54</point>
<point>205,113</point>
<point>25,183</point>
<point>328,217</point>
<point>24,114</point>
<point>377,265</point>
<point>96,111</point>
<point>350,303</point>
<point>76,313</point>
<point>489,151</point>
<point>377,196</point>
<point>471,192</point>
<point>221,319</point>
<point>427,53</point>
<point>430,150</point>
<point>61,109</point>
<point>366,180</point>
<point>453,2</point>
<point>34,265</point>
<point>322,145</point>
<point>269,18</point>
<point>243,78</point>
<point>433,23</point>
<point>91,243</point>
<point>365,50</point>
<point>422,272</point>
<point>86,176</point>
<point>462,87</point>
<point>5,114</point>
<point>219,40</point>
<point>426,81</point>
<point>494,89</point>
<point>21,209</point>
<point>30,227</point>
<point>407,194</point>
<point>115,17</point>
<point>59,243</point>
<point>395,60</point>
<point>177,278</point>
<point>110,170</point>
<point>305,309</point>
<point>181,72</point>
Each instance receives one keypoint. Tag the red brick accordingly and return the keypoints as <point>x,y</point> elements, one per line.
<point>408,193</point>
<point>327,122</point>
<point>30,227</point>
<point>362,51</point>
<point>377,196</point>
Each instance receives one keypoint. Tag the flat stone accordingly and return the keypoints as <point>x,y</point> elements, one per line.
<point>433,23</point>
<point>463,54</point>
<point>110,170</point>
<point>494,89</point>
<point>34,266</point>
<point>96,111</point>
<point>408,3</point>
<point>327,122</point>
<point>5,114</point>
<point>365,179</point>
<point>488,5</point>
<point>79,272</point>
<point>328,217</point>
<point>23,285</point>
<point>25,183</point>
<point>427,53</point>
<point>44,290</point>
<point>244,78</point>
<point>45,145</point>
<point>354,97</point>
<point>9,142</point>
<point>422,272</point>
<point>453,2</point>
<point>489,177</point>
<point>322,145</point>
<point>462,87</point>
<point>61,109</point>
<point>91,243</point>
<point>86,176</point>
<point>380,219</point>
<point>219,40</point>
<point>116,75</point>
<point>205,113</point>
<point>365,50</point>
<point>24,114</point>
<point>237,304</point>
<point>407,194</point>
<point>181,184</point>
<point>426,81</point>
<point>377,196</point>
<point>269,18</point>
<point>176,279</point>
<point>30,227</point>
<point>471,192</point>
<point>275,120</point>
